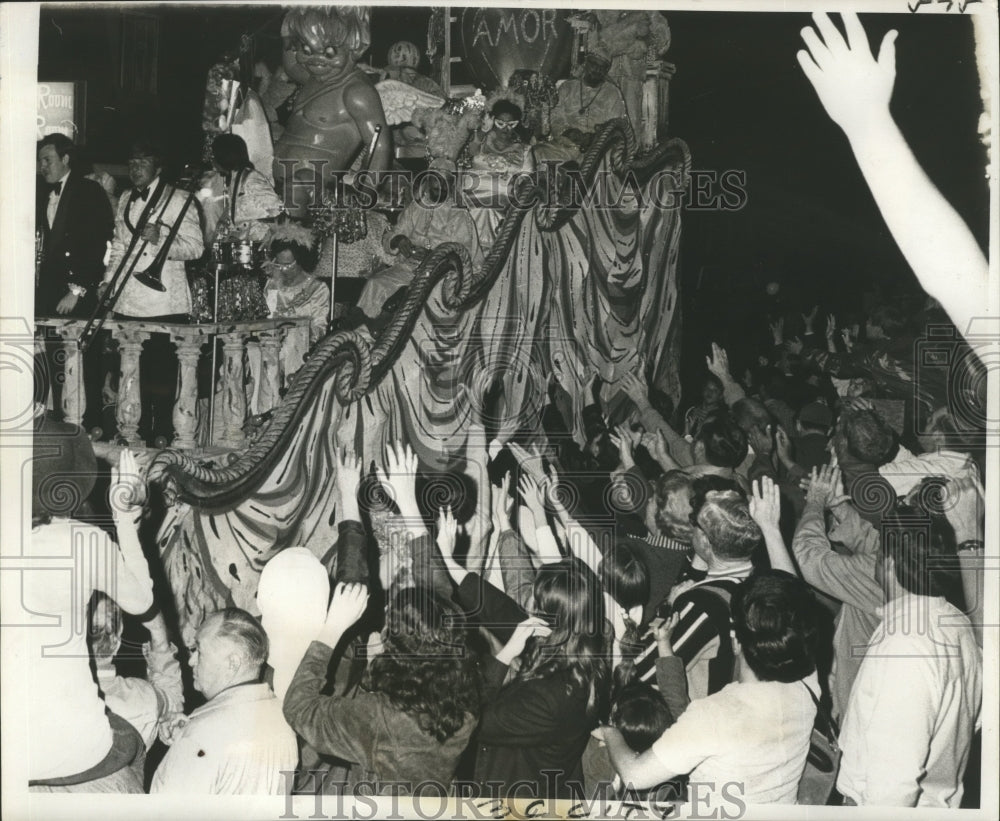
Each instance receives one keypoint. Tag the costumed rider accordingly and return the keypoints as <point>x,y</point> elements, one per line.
<point>499,149</point>
<point>402,61</point>
<point>584,105</point>
<point>431,218</point>
<point>291,291</point>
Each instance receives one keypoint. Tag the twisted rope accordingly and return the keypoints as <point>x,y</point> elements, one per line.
<point>357,366</point>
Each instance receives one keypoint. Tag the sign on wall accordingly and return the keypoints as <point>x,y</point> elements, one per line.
<point>60,109</point>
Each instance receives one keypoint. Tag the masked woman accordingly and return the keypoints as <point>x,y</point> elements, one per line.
<point>501,150</point>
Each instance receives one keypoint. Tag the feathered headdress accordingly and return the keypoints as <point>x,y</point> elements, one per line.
<point>291,232</point>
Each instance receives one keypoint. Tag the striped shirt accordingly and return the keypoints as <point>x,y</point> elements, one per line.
<point>697,637</point>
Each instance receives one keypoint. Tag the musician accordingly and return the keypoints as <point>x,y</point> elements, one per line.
<point>150,210</point>
<point>75,221</point>
<point>146,217</point>
<point>248,200</point>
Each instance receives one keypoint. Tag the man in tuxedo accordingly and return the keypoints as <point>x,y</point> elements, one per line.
<point>75,221</point>
<point>146,215</point>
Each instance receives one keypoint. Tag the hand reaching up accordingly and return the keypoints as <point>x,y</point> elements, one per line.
<point>533,496</point>
<point>718,363</point>
<point>635,388</point>
<point>400,478</point>
<point>823,487</point>
<point>765,504</point>
<point>348,466</point>
<point>502,505</point>
<point>128,489</point>
<point>810,318</point>
<point>346,607</point>
<point>778,331</point>
<point>447,532</point>
<point>853,86</point>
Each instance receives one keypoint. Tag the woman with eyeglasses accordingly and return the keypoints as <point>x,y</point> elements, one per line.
<point>291,291</point>
<point>500,150</point>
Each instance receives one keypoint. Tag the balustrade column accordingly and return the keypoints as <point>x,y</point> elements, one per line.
<point>270,374</point>
<point>74,397</point>
<point>129,411</point>
<point>234,398</point>
<point>185,408</point>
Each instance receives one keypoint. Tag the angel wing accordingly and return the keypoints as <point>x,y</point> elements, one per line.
<point>399,100</point>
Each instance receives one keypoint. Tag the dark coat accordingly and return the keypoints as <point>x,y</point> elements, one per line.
<point>75,245</point>
<point>528,727</point>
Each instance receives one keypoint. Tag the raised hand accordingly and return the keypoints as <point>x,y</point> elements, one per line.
<point>128,489</point>
<point>348,466</point>
<point>400,478</point>
<point>831,326</point>
<point>848,338</point>
<point>533,496</point>
<point>783,444</point>
<point>795,346</point>
<point>346,607</point>
<point>529,461</point>
<point>625,440</point>
<point>765,504</point>
<point>718,363</point>
<point>778,330</point>
<point>532,626</point>
<point>502,505</point>
<point>810,318</point>
<point>447,532</point>
<point>824,486</point>
<point>635,388</point>
<point>853,86</point>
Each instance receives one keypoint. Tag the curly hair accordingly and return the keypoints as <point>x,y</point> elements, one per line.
<point>428,670</point>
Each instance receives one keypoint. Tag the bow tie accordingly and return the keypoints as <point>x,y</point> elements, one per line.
<point>141,195</point>
<point>57,188</point>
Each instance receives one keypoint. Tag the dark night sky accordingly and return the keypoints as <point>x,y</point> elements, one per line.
<point>740,101</point>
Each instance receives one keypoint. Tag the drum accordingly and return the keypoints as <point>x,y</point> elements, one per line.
<point>243,253</point>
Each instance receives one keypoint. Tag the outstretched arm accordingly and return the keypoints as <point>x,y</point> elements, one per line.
<point>855,89</point>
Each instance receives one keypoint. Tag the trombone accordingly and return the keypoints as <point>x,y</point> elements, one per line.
<point>150,277</point>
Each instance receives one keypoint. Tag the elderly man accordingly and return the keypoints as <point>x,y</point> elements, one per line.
<point>237,743</point>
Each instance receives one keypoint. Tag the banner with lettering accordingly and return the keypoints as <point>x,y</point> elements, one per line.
<point>497,42</point>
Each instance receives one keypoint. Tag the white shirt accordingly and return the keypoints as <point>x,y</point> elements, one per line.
<point>68,731</point>
<point>53,204</point>
<point>913,709</point>
<point>906,471</point>
<point>236,744</point>
<point>136,206</point>
<point>751,734</point>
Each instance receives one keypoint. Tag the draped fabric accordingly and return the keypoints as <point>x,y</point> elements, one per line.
<point>592,295</point>
<point>214,559</point>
